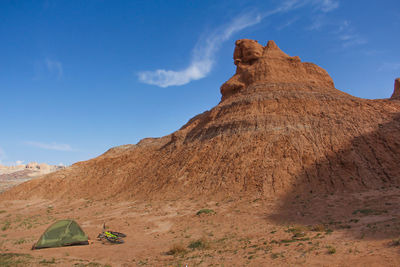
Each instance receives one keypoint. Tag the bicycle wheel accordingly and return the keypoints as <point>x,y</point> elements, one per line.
<point>117,234</point>
<point>114,240</point>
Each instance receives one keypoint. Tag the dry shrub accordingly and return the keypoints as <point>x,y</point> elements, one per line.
<point>177,249</point>
<point>201,243</point>
<point>319,228</point>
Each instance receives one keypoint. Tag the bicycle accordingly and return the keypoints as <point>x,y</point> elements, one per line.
<point>111,236</point>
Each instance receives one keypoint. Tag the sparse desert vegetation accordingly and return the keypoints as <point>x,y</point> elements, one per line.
<point>205,211</point>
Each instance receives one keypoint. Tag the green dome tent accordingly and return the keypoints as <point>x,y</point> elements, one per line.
<point>62,233</point>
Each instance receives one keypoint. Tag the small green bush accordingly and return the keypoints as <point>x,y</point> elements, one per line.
<point>6,226</point>
<point>318,228</point>
<point>331,250</point>
<point>44,261</point>
<point>205,211</point>
<point>20,241</point>
<point>199,244</point>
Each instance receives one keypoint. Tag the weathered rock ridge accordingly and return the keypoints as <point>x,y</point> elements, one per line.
<point>281,128</point>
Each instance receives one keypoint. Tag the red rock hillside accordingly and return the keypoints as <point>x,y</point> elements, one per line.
<point>281,127</point>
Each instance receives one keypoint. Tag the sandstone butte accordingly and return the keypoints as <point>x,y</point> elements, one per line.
<point>281,128</point>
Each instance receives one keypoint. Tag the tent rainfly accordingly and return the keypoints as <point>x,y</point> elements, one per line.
<point>62,233</point>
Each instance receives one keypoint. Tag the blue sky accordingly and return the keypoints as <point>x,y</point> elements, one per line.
<point>79,77</point>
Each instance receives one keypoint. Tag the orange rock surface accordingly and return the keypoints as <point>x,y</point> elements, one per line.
<point>396,92</point>
<point>281,128</point>
<point>257,64</point>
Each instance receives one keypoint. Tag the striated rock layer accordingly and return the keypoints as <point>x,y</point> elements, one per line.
<point>280,128</point>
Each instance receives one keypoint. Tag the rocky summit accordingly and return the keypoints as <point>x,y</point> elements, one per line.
<point>281,128</point>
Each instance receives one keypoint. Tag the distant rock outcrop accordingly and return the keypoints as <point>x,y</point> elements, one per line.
<point>14,175</point>
<point>41,168</point>
<point>281,128</point>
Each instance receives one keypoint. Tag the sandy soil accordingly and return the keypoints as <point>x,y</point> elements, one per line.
<point>358,229</point>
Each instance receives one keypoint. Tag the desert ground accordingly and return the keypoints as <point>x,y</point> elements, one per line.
<point>346,229</point>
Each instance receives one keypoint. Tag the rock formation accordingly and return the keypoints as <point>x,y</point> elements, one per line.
<point>396,91</point>
<point>281,128</point>
<point>258,64</point>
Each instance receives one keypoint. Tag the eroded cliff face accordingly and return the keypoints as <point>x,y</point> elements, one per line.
<point>281,128</point>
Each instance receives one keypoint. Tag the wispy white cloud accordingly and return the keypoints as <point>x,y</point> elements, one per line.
<point>203,54</point>
<point>318,21</point>
<point>51,146</point>
<point>372,52</point>
<point>287,6</point>
<point>343,26</point>
<point>343,30</point>
<point>352,40</point>
<point>321,8</point>
<point>55,67</point>
<point>48,69</point>
<point>19,162</point>
<point>326,5</point>
<point>347,34</point>
<point>287,23</point>
<point>318,6</point>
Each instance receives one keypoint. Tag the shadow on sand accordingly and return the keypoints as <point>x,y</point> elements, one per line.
<point>360,184</point>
